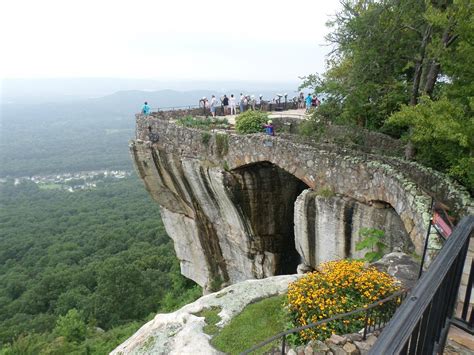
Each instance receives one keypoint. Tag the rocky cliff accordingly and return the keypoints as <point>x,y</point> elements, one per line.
<point>244,207</point>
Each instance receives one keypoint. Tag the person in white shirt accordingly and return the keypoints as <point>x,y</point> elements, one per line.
<point>213,105</point>
<point>241,102</point>
<point>232,105</point>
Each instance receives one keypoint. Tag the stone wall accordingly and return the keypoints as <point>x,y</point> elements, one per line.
<point>227,199</point>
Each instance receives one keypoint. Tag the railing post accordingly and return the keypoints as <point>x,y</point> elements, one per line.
<point>467,297</point>
<point>366,322</point>
<point>425,247</point>
<point>423,320</point>
<point>283,345</point>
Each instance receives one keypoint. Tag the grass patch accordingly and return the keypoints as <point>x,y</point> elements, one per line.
<point>226,166</point>
<point>326,192</point>
<point>257,322</point>
<point>211,316</point>
<point>203,123</point>
<point>205,138</point>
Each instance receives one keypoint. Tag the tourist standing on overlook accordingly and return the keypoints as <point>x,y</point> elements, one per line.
<point>253,102</point>
<point>301,100</point>
<point>261,103</point>
<point>145,109</point>
<point>213,106</point>
<point>204,103</point>
<point>225,103</point>
<point>317,102</point>
<point>232,105</point>
<point>308,102</point>
<point>241,103</point>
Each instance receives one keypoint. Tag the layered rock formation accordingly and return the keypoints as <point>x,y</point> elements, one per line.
<point>243,207</point>
<point>327,227</point>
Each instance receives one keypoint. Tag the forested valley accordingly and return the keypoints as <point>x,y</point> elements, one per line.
<point>80,272</point>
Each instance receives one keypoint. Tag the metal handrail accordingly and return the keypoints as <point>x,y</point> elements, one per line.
<point>189,107</point>
<point>421,323</point>
<point>399,294</point>
<point>174,108</point>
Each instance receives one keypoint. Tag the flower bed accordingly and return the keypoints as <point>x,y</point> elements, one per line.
<point>339,287</point>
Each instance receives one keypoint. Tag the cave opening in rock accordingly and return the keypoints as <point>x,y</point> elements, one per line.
<point>265,194</point>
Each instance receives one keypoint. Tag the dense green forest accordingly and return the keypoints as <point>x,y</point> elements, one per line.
<point>406,68</point>
<point>80,272</point>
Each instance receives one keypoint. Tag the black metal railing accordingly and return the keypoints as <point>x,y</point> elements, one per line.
<point>466,320</point>
<point>267,106</point>
<point>175,108</point>
<point>421,323</point>
<point>373,319</point>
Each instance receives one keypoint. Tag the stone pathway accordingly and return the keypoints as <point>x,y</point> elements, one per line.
<point>298,113</point>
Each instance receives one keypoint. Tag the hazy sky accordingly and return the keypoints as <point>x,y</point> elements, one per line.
<point>216,40</point>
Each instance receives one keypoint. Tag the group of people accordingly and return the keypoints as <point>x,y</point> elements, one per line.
<point>244,102</point>
<point>308,102</point>
<point>229,104</point>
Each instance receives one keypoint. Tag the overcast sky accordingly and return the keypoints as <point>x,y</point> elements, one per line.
<point>165,40</point>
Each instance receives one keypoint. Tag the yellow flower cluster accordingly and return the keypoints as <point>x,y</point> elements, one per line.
<point>340,286</point>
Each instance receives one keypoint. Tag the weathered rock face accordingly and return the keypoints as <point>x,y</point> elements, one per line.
<point>228,201</point>
<point>327,227</point>
<point>181,332</point>
<point>265,195</point>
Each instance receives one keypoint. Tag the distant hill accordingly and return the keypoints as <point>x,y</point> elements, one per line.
<point>36,91</point>
<point>83,134</point>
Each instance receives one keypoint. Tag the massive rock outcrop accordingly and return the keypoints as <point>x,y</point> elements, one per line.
<point>251,206</point>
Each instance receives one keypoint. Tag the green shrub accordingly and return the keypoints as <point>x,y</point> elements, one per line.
<point>205,138</point>
<point>72,326</point>
<point>326,192</point>
<point>203,123</point>
<point>226,166</point>
<point>308,128</point>
<point>372,240</point>
<point>250,122</point>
